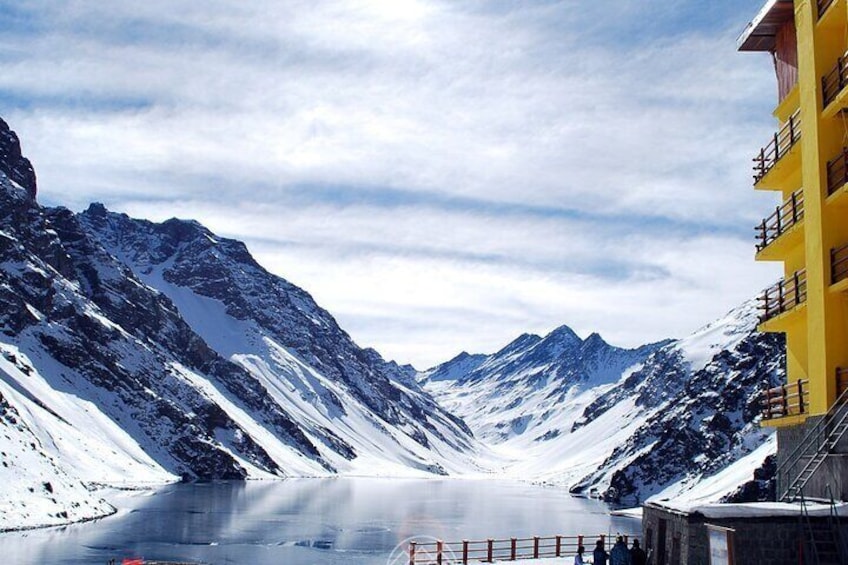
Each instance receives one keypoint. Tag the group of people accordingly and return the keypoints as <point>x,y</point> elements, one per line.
<point>618,555</point>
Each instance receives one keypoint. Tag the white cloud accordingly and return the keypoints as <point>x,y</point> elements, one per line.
<point>442,175</point>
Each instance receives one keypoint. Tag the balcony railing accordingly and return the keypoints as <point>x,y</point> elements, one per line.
<point>784,296</point>
<point>779,146</point>
<point>834,81</point>
<point>841,381</point>
<point>785,216</point>
<point>837,172</point>
<point>791,399</point>
<point>823,5</point>
<point>838,264</point>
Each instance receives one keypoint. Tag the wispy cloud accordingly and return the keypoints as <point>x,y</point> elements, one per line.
<point>441,175</point>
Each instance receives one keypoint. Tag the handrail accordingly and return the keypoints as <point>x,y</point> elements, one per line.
<point>786,400</point>
<point>782,142</point>
<point>784,217</point>
<point>819,433</point>
<point>837,172</point>
<point>823,5</point>
<point>838,264</point>
<point>490,550</point>
<point>783,296</point>
<point>834,81</point>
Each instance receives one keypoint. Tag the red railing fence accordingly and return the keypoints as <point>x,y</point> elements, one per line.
<point>490,550</point>
<point>784,217</point>
<point>786,400</point>
<point>779,146</point>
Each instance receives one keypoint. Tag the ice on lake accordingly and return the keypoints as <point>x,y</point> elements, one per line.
<point>310,521</point>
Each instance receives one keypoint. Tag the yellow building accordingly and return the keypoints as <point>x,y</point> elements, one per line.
<point>806,161</point>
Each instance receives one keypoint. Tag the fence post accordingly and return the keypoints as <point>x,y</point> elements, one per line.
<point>535,547</point>
<point>579,541</point>
<point>800,397</point>
<point>559,546</point>
<point>777,145</point>
<point>785,401</point>
<point>762,162</point>
<point>767,409</point>
<point>794,207</point>
<point>513,548</point>
<point>412,553</point>
<point>603,541</point>
<point>439,550</point>
<point>797,289</point>
<point>844,167</point>
<point>791,130</point>
<point>491,550</point>
<point>465,552</point>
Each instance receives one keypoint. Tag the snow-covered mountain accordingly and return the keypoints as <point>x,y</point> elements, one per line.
<point>625,424</point>
<point>523,389</point>
<point>144,352</point>
<point>133,351</point>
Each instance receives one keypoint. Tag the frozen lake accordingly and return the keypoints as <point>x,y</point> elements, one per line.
<point>309,521</point>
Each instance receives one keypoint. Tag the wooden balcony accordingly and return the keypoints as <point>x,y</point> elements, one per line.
<point>837,173</point>
<point>822,6</point>
<point>784,296</point>
<point>841,381</point>
<point>838,265</point>
<point>786,216</point>
<point>780,145</point>
<point>791,399</point>
<point>834,82</point>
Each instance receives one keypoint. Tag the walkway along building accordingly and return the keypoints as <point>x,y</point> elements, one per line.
<point>806,161</point>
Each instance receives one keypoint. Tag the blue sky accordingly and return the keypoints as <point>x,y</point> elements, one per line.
<point>440,175</point>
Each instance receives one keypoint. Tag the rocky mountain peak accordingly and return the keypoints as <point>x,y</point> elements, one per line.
<point>12,163</point>
<point>594,341</point>
<point>97,209</point>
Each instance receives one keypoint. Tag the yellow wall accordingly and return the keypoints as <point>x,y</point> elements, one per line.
<point>817,334</point>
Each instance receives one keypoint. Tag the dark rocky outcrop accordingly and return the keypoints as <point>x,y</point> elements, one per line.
<point>12,163</point>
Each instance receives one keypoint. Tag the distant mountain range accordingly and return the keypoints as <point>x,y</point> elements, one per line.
<point>625,424</point>
<point>137,352</point>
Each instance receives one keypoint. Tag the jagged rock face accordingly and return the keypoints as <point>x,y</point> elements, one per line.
<point>185,255</point>
<point>761,488</point>
<point>699,419</point>
<point>12,163</point>
<point>124,345</point>
<point>86,314</point>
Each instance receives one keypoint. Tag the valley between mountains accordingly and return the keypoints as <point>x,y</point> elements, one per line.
<point>134,353</point>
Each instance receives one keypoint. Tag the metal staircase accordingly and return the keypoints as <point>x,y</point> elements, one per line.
<point>823,541</point>
<point>800,466</point>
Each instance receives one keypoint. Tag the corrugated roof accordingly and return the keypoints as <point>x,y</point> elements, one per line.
<point>760,33</point>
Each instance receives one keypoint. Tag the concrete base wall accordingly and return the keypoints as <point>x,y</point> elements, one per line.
<point>775,541</point>
<point>833,472</point>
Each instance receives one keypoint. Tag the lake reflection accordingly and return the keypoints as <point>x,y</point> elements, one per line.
<point>309,521</point>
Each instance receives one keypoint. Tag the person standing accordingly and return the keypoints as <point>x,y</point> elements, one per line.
<point>620,555</point>
<point>578,559</point>
<point>600,554</point>
<point>637,554</point>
